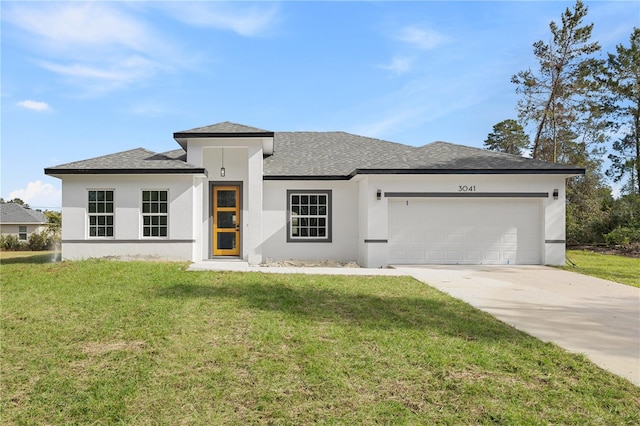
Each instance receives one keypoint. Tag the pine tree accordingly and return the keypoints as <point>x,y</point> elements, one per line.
<point>507,136</point>
<point>624,84</point>
<point>560,99</point>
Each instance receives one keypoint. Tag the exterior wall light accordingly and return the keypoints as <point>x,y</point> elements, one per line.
<point>555,194</point>
<point>378,195</point>
<point>222,170</point>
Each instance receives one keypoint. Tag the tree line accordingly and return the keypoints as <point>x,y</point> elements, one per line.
<point>580,107</point>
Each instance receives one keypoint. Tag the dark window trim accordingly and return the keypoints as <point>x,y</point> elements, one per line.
<point>329,237</point>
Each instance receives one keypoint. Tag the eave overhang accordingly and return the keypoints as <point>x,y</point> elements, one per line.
<point>196,171</point>
<point>267,143</point>
<point>567,172</point>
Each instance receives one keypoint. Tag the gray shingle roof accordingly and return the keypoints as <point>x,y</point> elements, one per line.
<point>15,213</point>
<point>326,153</point>
<point>339,154</point>
<point>322,155</point>
<point>444,156</point>
<point>226,127</point>
<point>134,161</point>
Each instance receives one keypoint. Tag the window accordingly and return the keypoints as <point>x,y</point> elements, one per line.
<point>22,233</point>
<point>100,213</point>
<point>309,215</point>
<point>154,213</point>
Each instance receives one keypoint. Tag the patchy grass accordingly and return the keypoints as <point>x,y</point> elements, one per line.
<point>621,269</point>
<point>46,256</point>
<point>102,342</point>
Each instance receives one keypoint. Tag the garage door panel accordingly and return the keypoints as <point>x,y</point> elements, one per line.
<point>465,231</point>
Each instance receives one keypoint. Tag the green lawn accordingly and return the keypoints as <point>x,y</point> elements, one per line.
<point>46,256</point>
<point>624,270</point>
<point>104,342</point>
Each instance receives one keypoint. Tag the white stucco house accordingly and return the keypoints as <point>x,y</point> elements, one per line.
<point>236,192</point>
<point>20,221</point>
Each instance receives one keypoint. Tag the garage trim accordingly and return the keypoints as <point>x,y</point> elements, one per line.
<point>466,194</point>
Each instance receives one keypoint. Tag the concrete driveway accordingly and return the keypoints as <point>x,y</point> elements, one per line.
<point>598,318</point>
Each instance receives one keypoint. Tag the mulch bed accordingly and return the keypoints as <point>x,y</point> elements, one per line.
<point>632,250</point>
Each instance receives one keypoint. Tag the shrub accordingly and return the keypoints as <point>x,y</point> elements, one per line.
<point>623,236</point>
<point>11,242</point>
<point>40,241</point>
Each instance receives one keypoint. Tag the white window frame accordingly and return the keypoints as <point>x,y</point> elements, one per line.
<point>22,235</point>
<point>106,215</point>
<point>310,218</point>
<point>151,214</point>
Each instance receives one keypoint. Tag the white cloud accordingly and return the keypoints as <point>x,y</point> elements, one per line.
<point>38,194</point>
<point>66,26</point>
<point>99,46</point>
<point>34,105</point>
<point>243,19</point>
<point>400,65</point>
<point>424,39</point>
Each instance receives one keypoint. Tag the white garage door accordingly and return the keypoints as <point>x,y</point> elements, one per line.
<point>465,231</point>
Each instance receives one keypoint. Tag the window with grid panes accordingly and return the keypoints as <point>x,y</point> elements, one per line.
<point>101,216</point>
<point>22,233</point>
<point>155,213</point>
<point>309,215</point>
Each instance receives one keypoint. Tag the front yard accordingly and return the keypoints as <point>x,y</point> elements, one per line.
<point>621,269</point>
<point>147,343</point>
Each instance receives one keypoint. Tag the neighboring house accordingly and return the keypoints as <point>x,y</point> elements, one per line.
<point>236,192</point>
<point>21,222</point>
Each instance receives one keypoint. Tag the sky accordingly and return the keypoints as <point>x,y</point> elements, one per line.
<point>85,79</point>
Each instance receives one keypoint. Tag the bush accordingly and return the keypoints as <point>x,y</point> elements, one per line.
<point>40,241</point>
<point>623,236</point>
<point>11,242</point>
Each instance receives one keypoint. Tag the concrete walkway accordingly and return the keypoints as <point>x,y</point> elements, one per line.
<point>582,314</point>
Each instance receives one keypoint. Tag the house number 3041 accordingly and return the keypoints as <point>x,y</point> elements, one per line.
<point>465,188</point>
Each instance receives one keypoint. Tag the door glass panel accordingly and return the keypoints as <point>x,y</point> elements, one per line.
<point>226,198</point>
<point>226,219</point>
<point>226,240</point>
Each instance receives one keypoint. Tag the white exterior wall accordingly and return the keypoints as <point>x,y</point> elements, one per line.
<point>345,225</point>
<point>127,241</point>
<point>375,253</point>
<point>14,229</point>
<point>243,163</point>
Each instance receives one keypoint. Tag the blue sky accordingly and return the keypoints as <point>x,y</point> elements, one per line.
<point>84,79</point>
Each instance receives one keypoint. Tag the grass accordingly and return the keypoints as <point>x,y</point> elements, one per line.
<point>621,269</point>
<point>46,256</point>
<point>103,342</point>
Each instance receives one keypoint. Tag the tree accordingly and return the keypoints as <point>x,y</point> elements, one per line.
<point>19,202</point>
<point>624,84</point>
<point>559,100</point>
<point>54,225</point>
<point>508,136</point>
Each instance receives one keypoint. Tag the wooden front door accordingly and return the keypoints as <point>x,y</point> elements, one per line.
<point>226,220</point>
